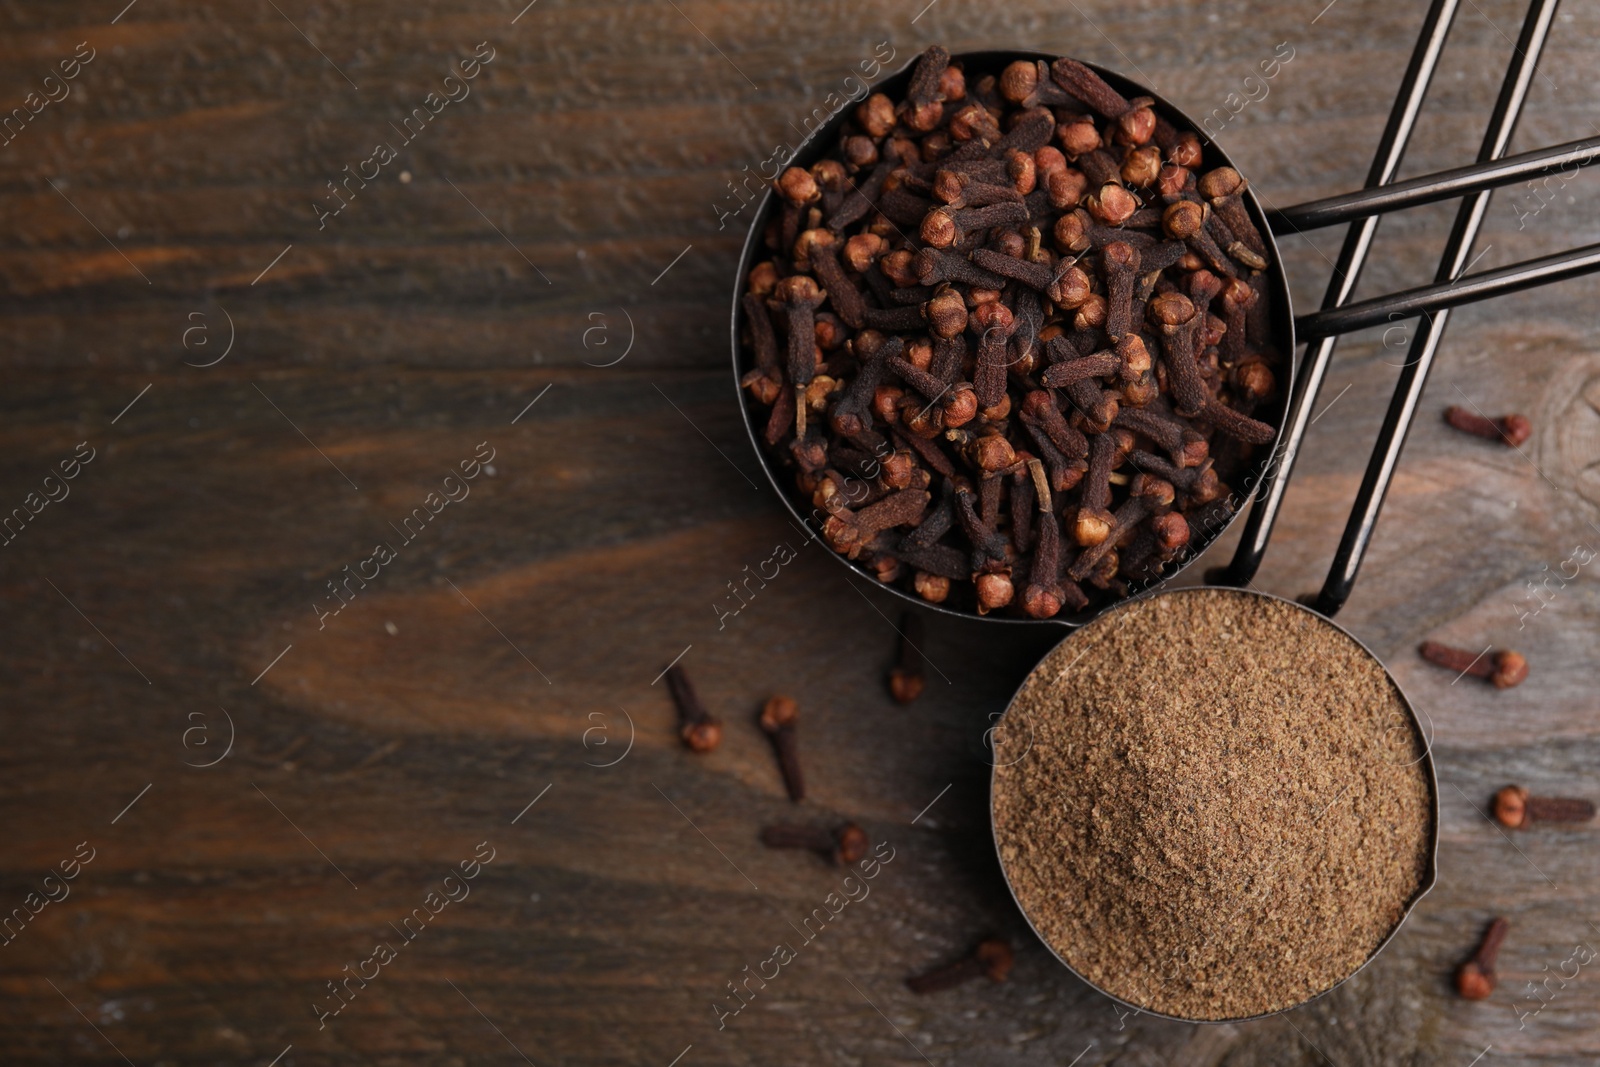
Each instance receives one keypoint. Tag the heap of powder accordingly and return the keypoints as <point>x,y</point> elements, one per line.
<point>1222,810</point>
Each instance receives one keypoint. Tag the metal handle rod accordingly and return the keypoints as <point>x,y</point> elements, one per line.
<point>1346,272</point>
<point>1414,374</point>
<point>1470,288</point>
<point>1429,188</point>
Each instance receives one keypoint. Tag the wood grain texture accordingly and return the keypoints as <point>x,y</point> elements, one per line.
<point>525,624</point>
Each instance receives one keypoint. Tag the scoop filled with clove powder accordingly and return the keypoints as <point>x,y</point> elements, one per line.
<point>1224,807</point>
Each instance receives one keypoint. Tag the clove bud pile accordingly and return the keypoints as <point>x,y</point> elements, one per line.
<point>1010,337</point>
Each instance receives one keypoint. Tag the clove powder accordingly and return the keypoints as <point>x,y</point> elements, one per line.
<point>1222,809</point>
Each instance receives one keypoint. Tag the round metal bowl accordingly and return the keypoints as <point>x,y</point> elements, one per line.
<point>1419,736</point>
<point>976,65</point>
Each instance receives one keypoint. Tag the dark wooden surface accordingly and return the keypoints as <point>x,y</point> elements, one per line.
<point>377,753</point>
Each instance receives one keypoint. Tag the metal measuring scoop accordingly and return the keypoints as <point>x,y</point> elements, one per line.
<point>1289,414</point>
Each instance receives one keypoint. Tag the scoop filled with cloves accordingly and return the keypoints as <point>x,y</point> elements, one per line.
<point>1006,333</point>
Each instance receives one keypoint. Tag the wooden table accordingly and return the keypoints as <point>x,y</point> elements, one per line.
<point>268,390</point>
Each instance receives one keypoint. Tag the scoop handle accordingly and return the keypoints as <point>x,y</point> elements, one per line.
<point>1424,300</point>
<point>1451,275</point>
<point>1451,286</point>
<point>1274,481</point>
<point>1431,188</point>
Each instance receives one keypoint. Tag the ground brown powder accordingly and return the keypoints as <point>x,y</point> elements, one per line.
<point>1222,809</point>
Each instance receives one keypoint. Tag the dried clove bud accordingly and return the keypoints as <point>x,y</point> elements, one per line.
<point>699,730</point>
<point>778,718</point>
<point>992,959</point>
<point>842,846</point>
<point>907,679</point>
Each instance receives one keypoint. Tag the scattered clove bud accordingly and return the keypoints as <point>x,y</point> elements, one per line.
<point>1476,978</point>
<point>841,846</point>
<point>778,718</point>
<point>1510,430</point>
<point>1515,809</point>
<point>700,730</point>
<point>992,959</point>
<point>906,678</point>
<point>1503,668</point>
